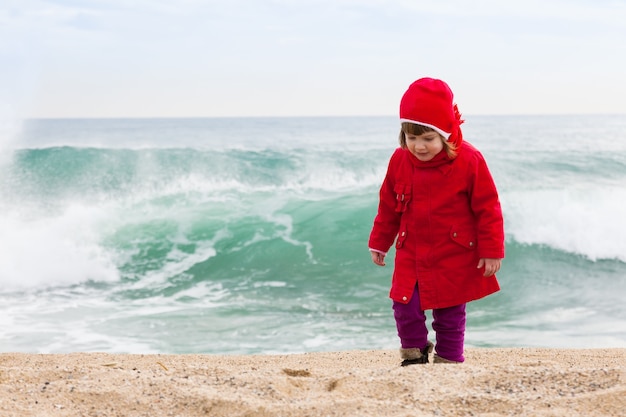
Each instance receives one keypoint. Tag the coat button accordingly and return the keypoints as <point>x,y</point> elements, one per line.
<point>471,243</point>
<point>454,234</point>
<point>403,233</point>
<point>404,298</point>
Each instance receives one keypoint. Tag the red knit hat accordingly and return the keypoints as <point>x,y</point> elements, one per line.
<point>429,102</point>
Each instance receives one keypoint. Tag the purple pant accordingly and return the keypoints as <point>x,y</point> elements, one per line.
<point>448,324</point>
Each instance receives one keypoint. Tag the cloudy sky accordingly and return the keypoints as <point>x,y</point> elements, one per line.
<point>193,58</point>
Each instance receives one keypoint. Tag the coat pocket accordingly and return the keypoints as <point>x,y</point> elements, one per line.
<point>403,196</point>
<point>401,237</point>
<point>464,236</point>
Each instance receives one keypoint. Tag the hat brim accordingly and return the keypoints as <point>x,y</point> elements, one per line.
<point>443,133</point>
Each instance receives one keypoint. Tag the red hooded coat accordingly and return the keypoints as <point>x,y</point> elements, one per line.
<point>446,215</point>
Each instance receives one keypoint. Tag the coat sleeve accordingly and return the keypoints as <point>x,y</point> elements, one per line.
<point>387,220</point>
<point>486,206</point>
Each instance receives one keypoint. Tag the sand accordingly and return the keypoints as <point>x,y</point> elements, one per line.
<point>492,382</point>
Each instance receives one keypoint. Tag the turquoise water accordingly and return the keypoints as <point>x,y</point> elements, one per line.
<point>250,235</point>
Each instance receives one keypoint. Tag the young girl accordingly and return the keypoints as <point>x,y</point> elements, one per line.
<point>439,203</point>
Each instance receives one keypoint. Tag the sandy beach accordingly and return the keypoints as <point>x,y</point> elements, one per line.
<point>492,382</point>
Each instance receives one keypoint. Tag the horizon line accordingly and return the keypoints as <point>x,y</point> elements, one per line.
<point>307,116</point>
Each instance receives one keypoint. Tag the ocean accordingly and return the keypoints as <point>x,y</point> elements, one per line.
<point>249,235</point>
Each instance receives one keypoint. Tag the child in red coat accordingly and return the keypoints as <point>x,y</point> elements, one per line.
<point>439,203</point>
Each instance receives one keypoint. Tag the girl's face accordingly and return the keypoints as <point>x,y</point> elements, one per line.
<point>424,146</point>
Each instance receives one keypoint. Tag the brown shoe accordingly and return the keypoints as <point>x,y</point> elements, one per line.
<point>414,356</point>
<point>439,359</point>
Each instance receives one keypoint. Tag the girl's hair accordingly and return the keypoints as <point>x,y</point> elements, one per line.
<point>415,129</point>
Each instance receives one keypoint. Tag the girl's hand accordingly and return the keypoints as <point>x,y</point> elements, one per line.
<point>491,265</point>
<point>378,258</point>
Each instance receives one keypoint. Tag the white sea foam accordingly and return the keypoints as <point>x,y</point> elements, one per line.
<point>176,264</point>
<point>585,220</point>
<point>207,294</point>
<point>83,338</point>
<point>48,251</point>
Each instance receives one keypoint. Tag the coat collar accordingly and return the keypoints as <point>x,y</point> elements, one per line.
<point>440,161</point>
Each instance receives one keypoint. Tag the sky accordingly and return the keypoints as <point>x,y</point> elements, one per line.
<point>250,58</point>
